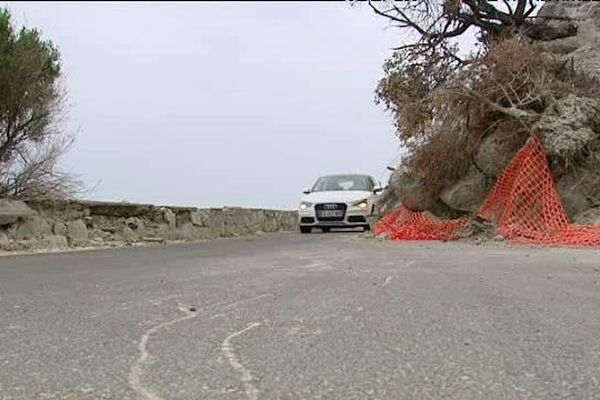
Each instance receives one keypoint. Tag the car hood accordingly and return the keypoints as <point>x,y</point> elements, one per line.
<point>336,196</point>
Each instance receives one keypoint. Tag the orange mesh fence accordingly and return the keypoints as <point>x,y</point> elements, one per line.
<point>524,204</point>
<point>404,224</point>
<point>526,207</point>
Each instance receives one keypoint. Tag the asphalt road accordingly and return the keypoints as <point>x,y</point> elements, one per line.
<point>321,316</point>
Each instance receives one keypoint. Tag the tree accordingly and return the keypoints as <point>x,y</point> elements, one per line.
<point>436,22</point>
<point>31,108</point>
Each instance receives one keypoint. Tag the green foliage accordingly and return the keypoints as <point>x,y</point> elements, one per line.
<point>31,104</point>
<point>29,94</point>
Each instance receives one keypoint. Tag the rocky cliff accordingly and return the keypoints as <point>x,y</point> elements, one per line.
<point>570,130</point>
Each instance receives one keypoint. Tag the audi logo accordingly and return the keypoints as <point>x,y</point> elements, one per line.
<point>330,206</point>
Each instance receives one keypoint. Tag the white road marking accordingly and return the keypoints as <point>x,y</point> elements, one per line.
<point>387,280</point>
<point>229,353</point>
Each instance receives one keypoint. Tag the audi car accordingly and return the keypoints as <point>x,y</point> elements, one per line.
<point>339,201</point>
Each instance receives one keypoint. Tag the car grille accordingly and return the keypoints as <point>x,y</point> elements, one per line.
<point>324,211</point>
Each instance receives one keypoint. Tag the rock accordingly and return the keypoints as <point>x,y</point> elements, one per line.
<point>134,223</point>
<point>52,242</point>
<point>99,234</point>
<point>77,233</point>
<point>184,232</point>
<point>588,217</point>
<point>198,218</point>
<point>13,210</point>
<point>129,235</point>
<point>497,149</point>
<point>5,242</point>
<point>59,228</point>
<point>169,217</point>
<point>498,238</point>
<point>573,201</point>
<point>33,228</point>
<point>468,193</point>
<point>567,127</point>
<point>117,209</point>
<point>412,193</point>
<point>89,222</point>
<point>579,190</point>
<point>585,45</point>
<point>25,245</point>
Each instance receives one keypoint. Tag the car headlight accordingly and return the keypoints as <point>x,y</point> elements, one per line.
<point>362,204</point>
<point>304,205</point>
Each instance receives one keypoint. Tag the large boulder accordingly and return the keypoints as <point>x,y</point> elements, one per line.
<point>34,227</point>
<point>579,190</point>
<point>468,193</point>
<point>13,210</point>
<point>407,191</point>
<point>412,193</point>
<point>497,149</point>
<point>582,48</point>
<point>169,217</point>
<point>77,233</point>
<point>198,218</point>
<point>570,126</point>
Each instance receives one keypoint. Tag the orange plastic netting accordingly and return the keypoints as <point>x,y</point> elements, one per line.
<point>526,207</point>
<point>524,204</point>
<point>404,224</point>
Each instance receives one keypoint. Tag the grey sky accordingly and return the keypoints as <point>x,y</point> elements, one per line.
<point>211,104</point>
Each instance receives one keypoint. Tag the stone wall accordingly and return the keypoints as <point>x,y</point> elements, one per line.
<point>50,224</point>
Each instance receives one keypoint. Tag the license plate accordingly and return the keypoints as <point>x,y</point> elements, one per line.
<point>331,213</point>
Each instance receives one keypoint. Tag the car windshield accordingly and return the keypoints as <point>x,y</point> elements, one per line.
<point>343,182</point>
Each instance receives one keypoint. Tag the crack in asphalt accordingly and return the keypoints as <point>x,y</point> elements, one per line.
<point>232,358</point>
<point>135,375</point>
<point>136,371</point>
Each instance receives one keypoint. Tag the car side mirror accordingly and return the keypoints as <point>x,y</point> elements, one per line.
<point>306,191</point>
<point>377,189</point>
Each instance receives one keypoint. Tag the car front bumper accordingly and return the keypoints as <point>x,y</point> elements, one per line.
<point>353,217</point>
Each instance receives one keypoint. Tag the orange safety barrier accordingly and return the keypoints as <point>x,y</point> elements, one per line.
<point>524,204</point>
<point>526,207</point>
<point>404,224</point>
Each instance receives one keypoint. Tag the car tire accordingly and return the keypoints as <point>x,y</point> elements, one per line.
<point>366,228</point>
<point>326,229</point>
<point>305,229</point>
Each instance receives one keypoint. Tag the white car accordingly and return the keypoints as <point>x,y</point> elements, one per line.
<point>339,201</point>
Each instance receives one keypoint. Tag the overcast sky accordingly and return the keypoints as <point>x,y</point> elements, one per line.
<point>212,104</point>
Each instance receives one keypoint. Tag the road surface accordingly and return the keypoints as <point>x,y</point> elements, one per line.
<point>290,316</point>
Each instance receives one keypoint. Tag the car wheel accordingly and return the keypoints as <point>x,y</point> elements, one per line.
<point>326,229</point>
<point>366,228</point>
<point>305,229</point>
